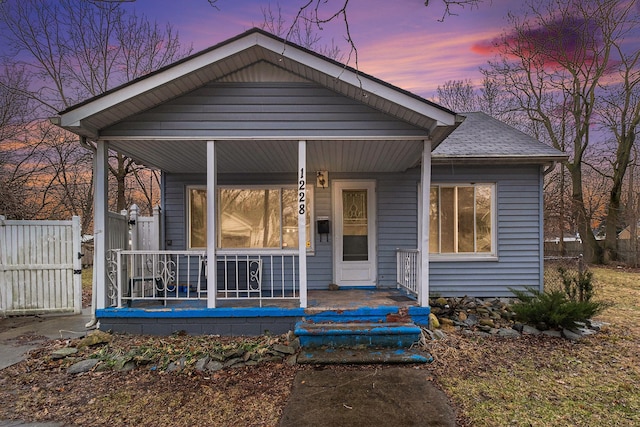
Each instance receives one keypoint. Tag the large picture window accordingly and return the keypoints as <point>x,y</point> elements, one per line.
<point>249,218</point>
<point>462,219</point>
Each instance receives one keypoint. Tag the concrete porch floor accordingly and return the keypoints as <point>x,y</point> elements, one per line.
<point>318,300</point>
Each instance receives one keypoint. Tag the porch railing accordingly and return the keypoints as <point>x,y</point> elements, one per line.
<point>164,276</point>
<point>258,276</point>
<point>408,270</point>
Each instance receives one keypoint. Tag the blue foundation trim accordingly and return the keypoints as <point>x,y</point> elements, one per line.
<point>182,313</point>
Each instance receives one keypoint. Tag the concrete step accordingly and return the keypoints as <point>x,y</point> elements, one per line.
<point>382,314</point>
<point>332,356</point>
<point>357,334</point>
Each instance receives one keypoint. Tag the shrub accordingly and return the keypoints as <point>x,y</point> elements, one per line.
<point>578,287</point>
<point>553,309</point>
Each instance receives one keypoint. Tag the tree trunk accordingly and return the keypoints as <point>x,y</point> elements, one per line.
<point>623,155</point>
<point>592,252</point>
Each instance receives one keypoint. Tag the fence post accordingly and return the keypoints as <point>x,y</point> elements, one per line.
<point>156,241</point>
<point>580,265</point>
<point>133,223</point>
<point>77,264</point>
<point>5,291</point>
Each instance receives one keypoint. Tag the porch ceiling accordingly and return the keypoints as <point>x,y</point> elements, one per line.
<point>270,156</point>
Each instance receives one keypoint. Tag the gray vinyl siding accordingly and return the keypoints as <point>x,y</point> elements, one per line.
<point>518,190</point>
<point>238,110</point>
<point>519,220</point>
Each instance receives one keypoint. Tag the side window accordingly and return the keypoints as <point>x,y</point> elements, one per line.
<point>462,219</point>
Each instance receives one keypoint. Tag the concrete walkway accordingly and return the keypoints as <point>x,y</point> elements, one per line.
<point>385,396</point>
<point>23,333</point>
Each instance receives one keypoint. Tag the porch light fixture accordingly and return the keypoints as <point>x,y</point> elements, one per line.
<point>322,179</point>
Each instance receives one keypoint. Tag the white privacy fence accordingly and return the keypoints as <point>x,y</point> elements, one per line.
<point>40,267</point>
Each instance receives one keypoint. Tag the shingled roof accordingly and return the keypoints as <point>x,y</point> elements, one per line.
<point>481,138</point>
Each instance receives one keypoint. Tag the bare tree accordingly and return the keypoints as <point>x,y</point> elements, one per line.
<point>301,32</point>
<point>77,49</point>
<point>552,65</point>
<point>458,95</point>
<point>620,115</point>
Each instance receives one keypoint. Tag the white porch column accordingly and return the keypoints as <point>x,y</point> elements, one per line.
<point>211,225</point>
<point>423,240</point>
<point>100,222</point>
<point>302,220</point>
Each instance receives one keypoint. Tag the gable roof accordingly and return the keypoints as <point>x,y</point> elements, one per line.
<point>88,118</point>
<point>482,138</point>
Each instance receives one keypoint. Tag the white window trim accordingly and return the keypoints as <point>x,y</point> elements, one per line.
<point>228,251</point>
<point>468,256</point>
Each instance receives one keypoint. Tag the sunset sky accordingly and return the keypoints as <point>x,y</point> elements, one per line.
<point>399,41</point>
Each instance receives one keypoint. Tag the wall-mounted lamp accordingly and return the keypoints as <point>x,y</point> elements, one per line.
<point>322,179</point>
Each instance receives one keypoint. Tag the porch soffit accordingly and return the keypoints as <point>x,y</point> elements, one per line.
<point>273,156</point>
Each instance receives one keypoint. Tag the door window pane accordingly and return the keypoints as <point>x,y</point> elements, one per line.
<point>355,241</point>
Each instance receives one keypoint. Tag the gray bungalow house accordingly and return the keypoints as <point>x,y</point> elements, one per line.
<point>295,187</point>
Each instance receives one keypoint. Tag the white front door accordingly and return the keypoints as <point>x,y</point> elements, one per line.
<point>354,243</point>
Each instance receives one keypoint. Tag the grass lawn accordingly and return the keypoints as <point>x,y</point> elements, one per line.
<point>542,381</point>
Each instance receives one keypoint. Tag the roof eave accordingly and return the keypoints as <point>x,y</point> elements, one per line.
<point>504,160</point>
<point>71,119</point>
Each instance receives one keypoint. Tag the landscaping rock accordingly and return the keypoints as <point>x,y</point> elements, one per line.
<point>177,366</point>
<point>487,322</point>
<point>508,333</point>
<point>232,354</point>
<point>94,338</point>
<point>552,333</point>
<point>129,365</point>
<point>434,323</point>
<point>472,320</point>
<point>284,349</point>
<point>201,364</point>
<point>462,316</point>
<point>82,366</point>
<point>231,362</point>
<point>63,352</point>
<point>214,365</point>
<point>530,330</point>
<point>446,322</point>
<point>292,360</point>
<point>571,335</point>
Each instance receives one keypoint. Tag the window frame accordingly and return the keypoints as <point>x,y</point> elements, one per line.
<point>279,187</point>
<point>468,256</point>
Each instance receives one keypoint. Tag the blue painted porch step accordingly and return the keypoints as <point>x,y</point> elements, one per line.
<point>357,334</point>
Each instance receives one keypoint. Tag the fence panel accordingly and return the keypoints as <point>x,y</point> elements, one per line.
<point>40,267</point>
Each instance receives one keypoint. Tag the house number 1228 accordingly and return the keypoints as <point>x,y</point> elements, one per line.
<point>301,193</point>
